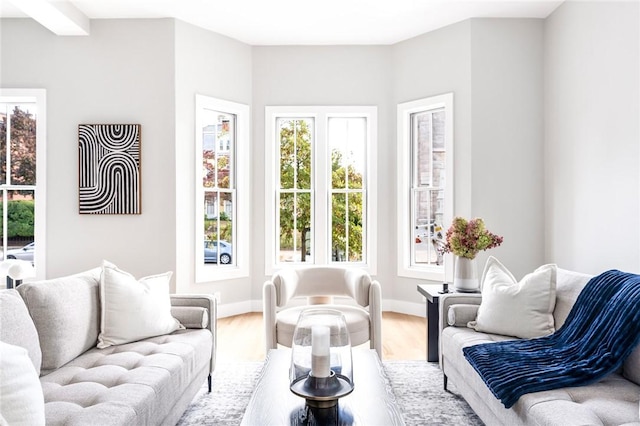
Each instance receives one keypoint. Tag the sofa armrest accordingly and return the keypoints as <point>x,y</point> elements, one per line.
<point>191,316</point>
<point>459,315</point>
<point>446,300</point>
<point>208,302</point>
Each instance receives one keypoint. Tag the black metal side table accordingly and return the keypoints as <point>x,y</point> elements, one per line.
<point>431,293</point>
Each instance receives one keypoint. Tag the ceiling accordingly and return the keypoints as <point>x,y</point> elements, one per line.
<point>282,22</point>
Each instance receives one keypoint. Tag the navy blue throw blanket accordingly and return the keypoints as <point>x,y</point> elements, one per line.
<point>601,330</point>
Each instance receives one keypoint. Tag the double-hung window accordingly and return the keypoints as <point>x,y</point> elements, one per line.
<point>22,175</point>
<point>425,185</point>
<point>222,193</point>
<point>320,186</point>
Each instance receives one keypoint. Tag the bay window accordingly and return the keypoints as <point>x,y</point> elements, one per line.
<point>320,185</point>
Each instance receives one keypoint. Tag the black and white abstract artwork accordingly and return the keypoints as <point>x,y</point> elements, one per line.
<point>109,168</point>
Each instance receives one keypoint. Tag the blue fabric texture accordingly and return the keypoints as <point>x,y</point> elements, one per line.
<point>601,330</point>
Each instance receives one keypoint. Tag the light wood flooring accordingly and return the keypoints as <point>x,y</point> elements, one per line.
<point>240,337</point>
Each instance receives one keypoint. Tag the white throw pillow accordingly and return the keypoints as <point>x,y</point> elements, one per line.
<point>133,309</point>
<point>21,398</point>
<point>522,309</point>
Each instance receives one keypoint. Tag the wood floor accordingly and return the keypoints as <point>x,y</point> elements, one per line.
<point>240,337</point>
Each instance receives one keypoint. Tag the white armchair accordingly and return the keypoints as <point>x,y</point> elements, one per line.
<point>319,285</point>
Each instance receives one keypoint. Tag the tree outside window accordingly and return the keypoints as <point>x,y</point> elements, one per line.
<point>321,187</point>
<point>17,175</point>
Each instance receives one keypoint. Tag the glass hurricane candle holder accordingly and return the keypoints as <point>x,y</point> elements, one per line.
<point>321,364</point>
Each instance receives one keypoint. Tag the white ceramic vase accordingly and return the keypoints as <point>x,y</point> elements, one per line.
<point>465,275</point>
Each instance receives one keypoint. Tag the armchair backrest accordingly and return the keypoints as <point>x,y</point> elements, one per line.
<point>319,281</point>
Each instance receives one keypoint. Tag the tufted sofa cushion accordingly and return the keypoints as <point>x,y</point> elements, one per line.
<point>134,383</point>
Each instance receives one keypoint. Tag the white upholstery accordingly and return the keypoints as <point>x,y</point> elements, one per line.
<point>147,382</point>
<point>318,285</point>
<point>612,400</point>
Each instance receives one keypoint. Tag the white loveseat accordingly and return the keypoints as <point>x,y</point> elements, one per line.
<point>614,400</point>
<point>145,382</point>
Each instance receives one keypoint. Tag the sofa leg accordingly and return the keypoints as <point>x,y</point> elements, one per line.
<point>445,382</point>
<point>209,382</point>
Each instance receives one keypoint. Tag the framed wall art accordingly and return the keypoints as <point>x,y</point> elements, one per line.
<point>109,175</point>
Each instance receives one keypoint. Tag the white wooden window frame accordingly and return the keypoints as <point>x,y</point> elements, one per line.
<point>321,183</point>
<point>406,171</point>
<point>239,268</point>
<point>39,97</point>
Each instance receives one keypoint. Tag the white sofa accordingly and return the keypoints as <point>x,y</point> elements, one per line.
<point>614,400</point>
<point>146,382</point>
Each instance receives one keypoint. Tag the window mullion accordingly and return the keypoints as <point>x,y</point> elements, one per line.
<point>321,211</point>
<point>5,209</point>
<point>8,146</point>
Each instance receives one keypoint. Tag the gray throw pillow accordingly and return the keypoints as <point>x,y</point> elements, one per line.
<point>66,312</point>
<point>16,326</point>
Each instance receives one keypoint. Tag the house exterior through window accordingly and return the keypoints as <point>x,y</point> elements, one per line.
<point>425,185</point>
<point>22,172</point>
<point>222,211</point>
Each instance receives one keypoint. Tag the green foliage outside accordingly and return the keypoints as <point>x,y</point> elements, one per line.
<point>20,214</point>
<point>211,229</point>
<point>23,148</point>
<point>295,174</point>
<point>217,175</point>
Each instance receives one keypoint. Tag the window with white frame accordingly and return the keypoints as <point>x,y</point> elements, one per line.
<point>222,199</point>
<point>22,175</point>
<point>425,185</point>
<point>320,191</point>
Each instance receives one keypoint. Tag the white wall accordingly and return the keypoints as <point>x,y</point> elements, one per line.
<point>122,73</point>
<point>507,138</point>
<point>592,137</point>
<point>494,69</point>
<point>578,70</point>
<point>213,65</point>
<point>327,75</point>
<point>432,64</point>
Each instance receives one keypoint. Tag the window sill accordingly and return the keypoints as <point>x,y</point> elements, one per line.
<point>426,273</point>
<point>211,273</point>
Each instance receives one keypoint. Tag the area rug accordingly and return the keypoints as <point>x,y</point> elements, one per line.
<point>416,384</point>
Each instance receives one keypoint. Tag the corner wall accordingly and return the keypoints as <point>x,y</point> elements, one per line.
<point>494,69</point>
<point>122,73</point>
<point>433,64</point>
<point>592,136</point>
<point>507,138</point>
<point>213,65</point>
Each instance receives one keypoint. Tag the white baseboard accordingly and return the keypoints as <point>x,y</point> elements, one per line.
<point>400,306</point>
<point>231,309</point>
<point>404,307</point>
